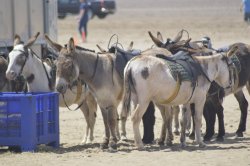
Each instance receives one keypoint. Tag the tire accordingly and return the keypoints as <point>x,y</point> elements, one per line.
<point>102,15</point>
<point>61,15</point>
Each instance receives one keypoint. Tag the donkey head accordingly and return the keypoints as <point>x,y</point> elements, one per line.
<point>19,56</point>
<point>67,70</point>
<point>174,45</point>
<point>225,76</point>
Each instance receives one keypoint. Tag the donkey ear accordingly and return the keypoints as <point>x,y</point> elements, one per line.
<point>31,40</point>
<point>130,47</point>
<point>178,36</point>
<point>54,45</point>
<point>159,36</point>
<point>17,39</point>
<point>101,49</point>
<point>155,40</point>
<point>232,51</point>
<point>71,45</point>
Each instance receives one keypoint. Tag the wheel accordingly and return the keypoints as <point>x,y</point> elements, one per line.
<point>61,15</point>
<point>102,15</point>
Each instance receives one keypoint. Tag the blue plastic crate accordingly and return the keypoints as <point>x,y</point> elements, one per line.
<point>29,119</point>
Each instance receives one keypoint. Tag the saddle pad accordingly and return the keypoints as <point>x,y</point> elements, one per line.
<point>184,65</point>
<point>122,58</point>
<point>178,69</point>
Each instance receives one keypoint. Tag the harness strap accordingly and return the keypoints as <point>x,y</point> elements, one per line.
<point>79,90</point>
<point>69,107</point>
<point>175,93</point>
<point>47,75</point>
<point>96,63</point>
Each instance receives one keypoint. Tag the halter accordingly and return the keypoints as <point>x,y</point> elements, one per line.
<point>26,54</point>
<point>79,93</point>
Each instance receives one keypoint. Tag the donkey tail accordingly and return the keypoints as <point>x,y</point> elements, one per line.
<point>128,88</point>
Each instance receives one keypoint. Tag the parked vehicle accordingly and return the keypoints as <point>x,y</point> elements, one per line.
<point>26,18</point>
<point>100,8</point>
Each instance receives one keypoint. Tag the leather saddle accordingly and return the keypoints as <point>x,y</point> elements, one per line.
<point>184,65</point>
<point>122,58</point>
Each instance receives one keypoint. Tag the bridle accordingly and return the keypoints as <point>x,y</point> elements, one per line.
<point>26,54</point>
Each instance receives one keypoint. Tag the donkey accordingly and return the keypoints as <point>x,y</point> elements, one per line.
<point>97,70</point>
<point>215,95</point>
<point>140,87</point>
<point>5,85</point>
<point>39,76</point>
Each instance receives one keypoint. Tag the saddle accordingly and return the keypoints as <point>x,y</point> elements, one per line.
<point>184,65</point>
<point>122,58</point>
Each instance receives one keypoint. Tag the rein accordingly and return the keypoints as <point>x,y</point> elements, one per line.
<point>79,85</point>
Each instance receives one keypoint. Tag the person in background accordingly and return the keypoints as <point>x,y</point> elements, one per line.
<point>83,20</point>
<point>245,7</point>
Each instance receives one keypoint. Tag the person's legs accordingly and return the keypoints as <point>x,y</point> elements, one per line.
<point>248,17</point>
<point>80,27</point>
<point>85,29</point>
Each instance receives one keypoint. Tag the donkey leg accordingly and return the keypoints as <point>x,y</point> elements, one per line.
<point>148,124</point>
<point>176,112</point>
<point>112,123</point>
<point>192,134</point>
<point>85,110</point>
<point>184,117</point>
<point>92,105</point>
<point>105,142</point>
<point>123,128</point>
<point>117,129</point>
<point>198,119</point>
<point>169,121</point>
<point>136,119</point>
<point>220,115</point>
<point>209,114</point>
<point>243,108</point>
<point>164,125</point>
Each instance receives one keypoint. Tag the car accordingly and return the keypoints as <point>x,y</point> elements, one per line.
<point>100,8</point>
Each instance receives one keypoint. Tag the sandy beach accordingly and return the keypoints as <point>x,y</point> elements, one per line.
<point>221,20</point>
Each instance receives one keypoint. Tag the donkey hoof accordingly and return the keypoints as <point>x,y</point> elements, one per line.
<point>239,135</point>
<point>112,148</point>
<point>183,145</point>
<point>83,142</point>
<point>207,139</point>
<point>220,139</point>
<point>169,143</point>
<point>89,141</point>
<point>192,136</point>
<point>104,146</point>
<point>140,146</point>
<point>160,142</point>
<point>123,138</point>
<point>202,145</point>
<point>176,132</point>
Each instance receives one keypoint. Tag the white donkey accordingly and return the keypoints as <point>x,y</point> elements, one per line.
<point>148,78</point>
<point>22,60</point>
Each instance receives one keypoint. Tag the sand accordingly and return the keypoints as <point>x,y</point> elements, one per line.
<point>219,19</point>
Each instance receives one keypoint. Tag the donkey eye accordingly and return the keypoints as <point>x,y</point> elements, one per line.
<point>20,60</point>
